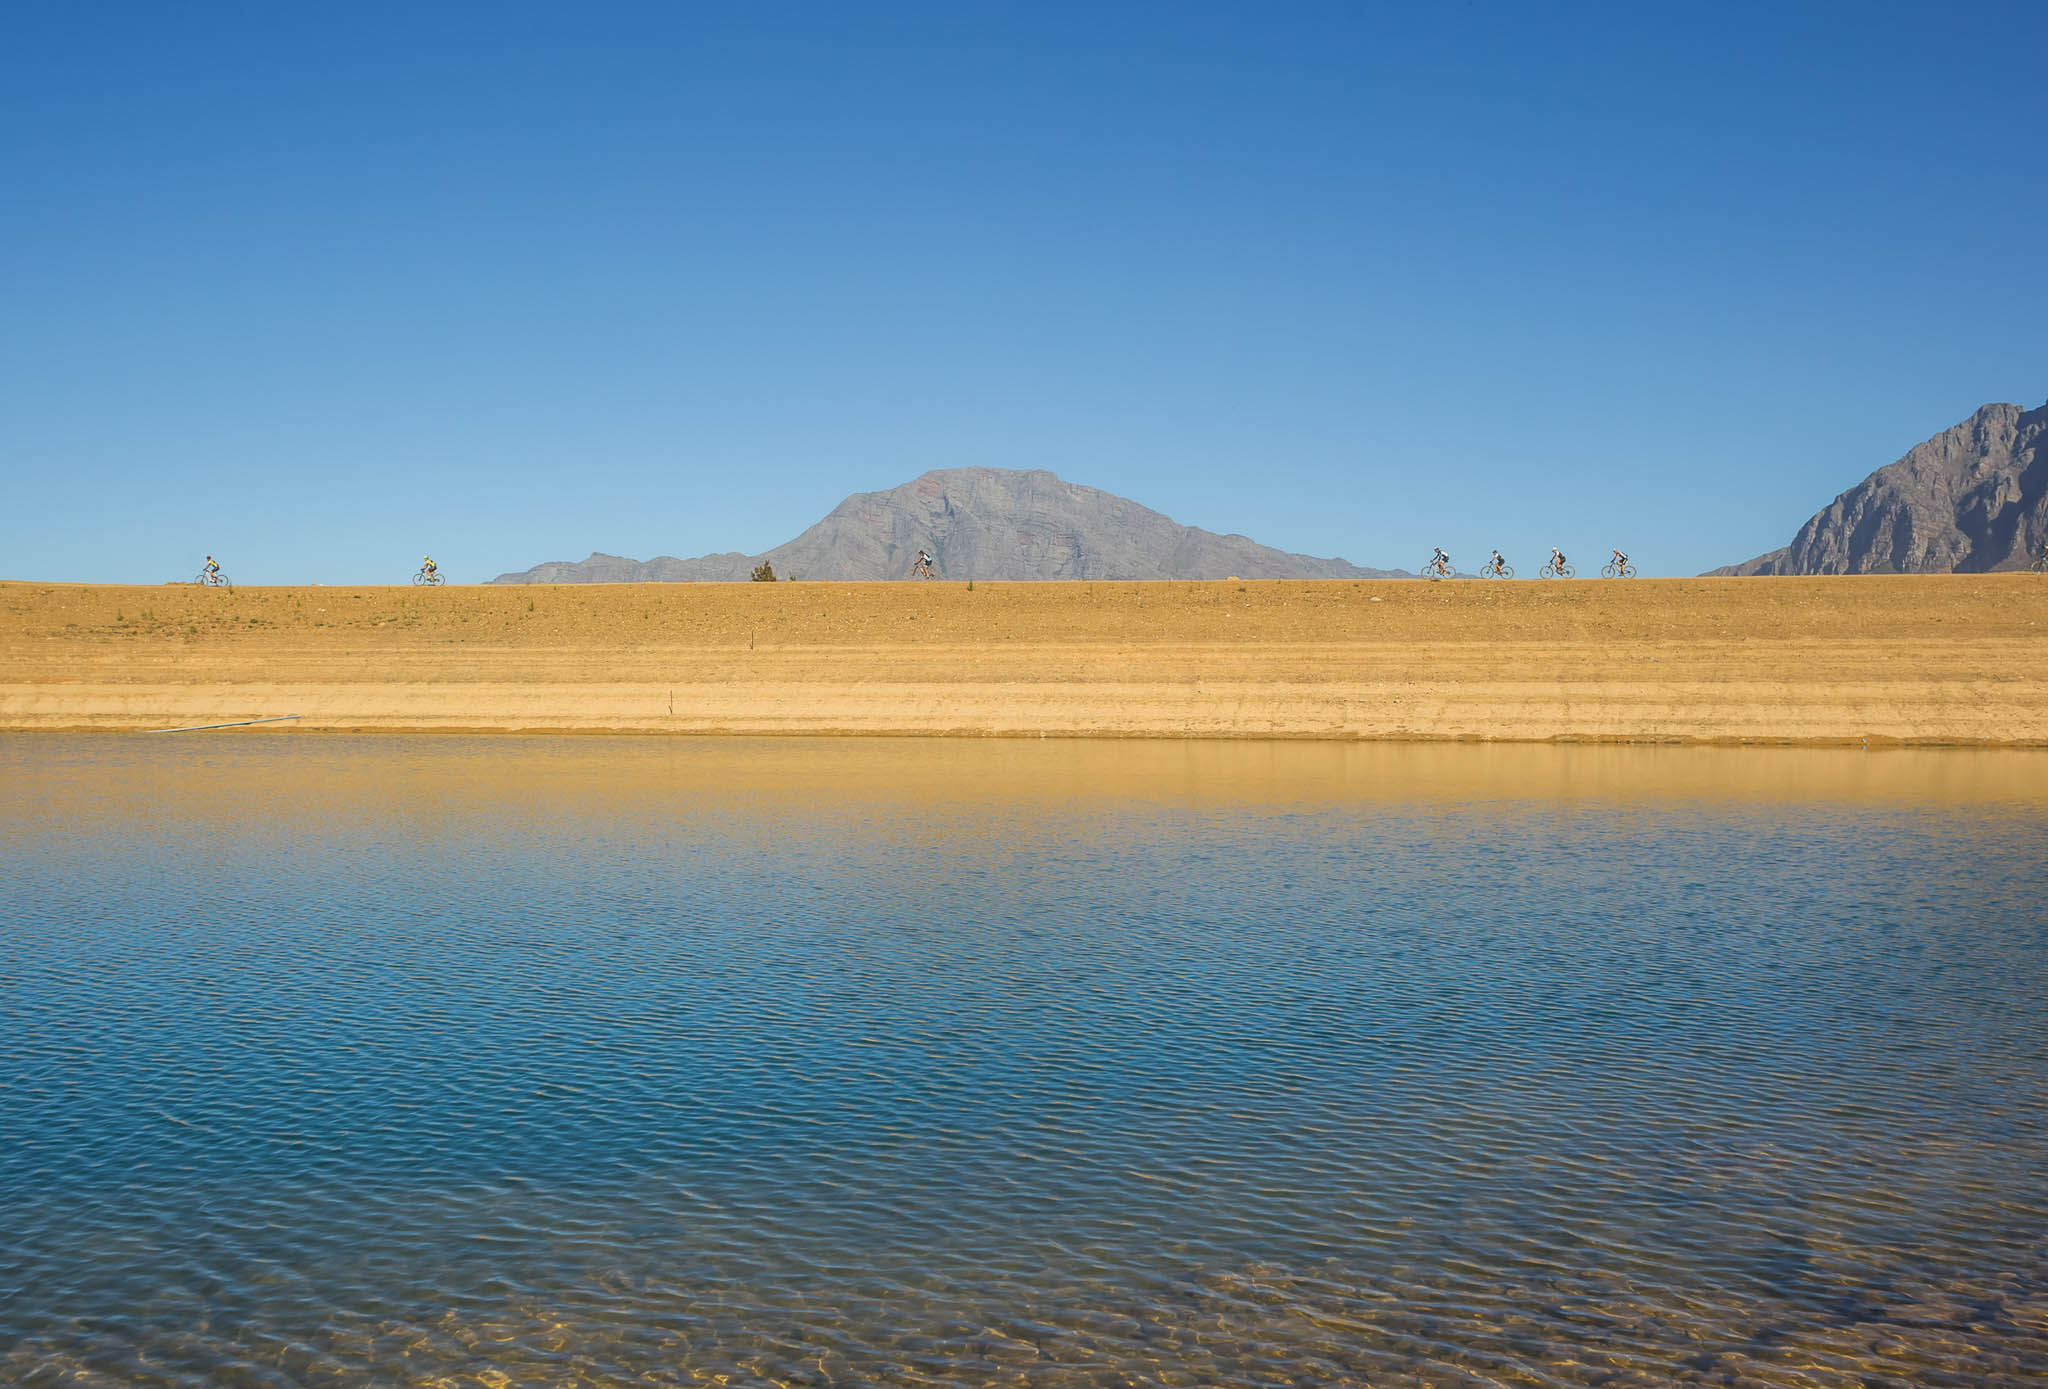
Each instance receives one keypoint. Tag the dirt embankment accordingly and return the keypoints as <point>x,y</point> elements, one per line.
<point>1936,659</point>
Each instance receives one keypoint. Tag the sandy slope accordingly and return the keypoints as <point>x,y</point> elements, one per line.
<point>1933,659</point>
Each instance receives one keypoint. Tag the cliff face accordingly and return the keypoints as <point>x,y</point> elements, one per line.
<point>980,523</point>
<point>1971,499</point>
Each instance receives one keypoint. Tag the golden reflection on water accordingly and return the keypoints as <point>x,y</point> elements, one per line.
<point>533,1061</point>
<point>213,766</point>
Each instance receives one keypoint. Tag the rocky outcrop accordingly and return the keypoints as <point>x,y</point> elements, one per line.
<point>979,523</point>
<point>1971,499</point>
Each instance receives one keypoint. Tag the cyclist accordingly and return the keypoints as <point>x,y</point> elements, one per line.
<point>1557,560</point>
<point>1439,562</point>
<point>427,566</point>
<point>923,565</point>
<point>1499,563</point>
<point>1620,560</point>
<point>212,570</point>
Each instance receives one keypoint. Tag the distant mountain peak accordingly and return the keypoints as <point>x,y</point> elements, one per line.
<point>1970,499</point>
<point>980,523</point>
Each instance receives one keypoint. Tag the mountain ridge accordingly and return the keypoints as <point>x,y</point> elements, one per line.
<point>1972,499</point>
<point>979,523</point>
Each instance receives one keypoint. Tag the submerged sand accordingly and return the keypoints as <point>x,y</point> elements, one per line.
<point>1948,659</point>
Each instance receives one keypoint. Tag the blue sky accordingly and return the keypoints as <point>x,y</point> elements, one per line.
<point>318,287</point>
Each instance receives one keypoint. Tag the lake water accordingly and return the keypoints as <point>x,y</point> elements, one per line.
<point>488,1061</point>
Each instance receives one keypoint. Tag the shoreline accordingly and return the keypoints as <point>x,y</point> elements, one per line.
<point>1873,661</point>
<point>1865,743</point>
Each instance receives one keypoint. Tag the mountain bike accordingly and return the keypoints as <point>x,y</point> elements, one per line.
<point>1611,570</point>
<point>1497,569</point>
<point>206,580</point>
<point>1557,571</point>
<point>432,578</point>
<point>922,569</point>
<point>1437,568</point>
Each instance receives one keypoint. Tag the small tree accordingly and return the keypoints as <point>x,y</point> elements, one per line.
<point>764,573</point>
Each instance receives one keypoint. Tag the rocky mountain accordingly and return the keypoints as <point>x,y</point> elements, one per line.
<point>979,523</point>
<point>1971,499</point>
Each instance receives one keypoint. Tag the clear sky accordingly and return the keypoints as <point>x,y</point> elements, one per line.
<point>319,287</point>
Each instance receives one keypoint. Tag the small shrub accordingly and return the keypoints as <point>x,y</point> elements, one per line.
<point>764,573</point>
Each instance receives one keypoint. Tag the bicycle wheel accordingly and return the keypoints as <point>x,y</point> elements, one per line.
<point>1567,572</point>
<point>1548,571</point>
<point>420,577</point>
<point>1607,570</point>
<point>1507,571</point>
<point>2041,566</point>
<point>1628,571</point>
<point>1429,571</point>
<point>200,579</point>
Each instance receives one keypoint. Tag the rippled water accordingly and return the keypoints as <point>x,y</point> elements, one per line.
<point>505,1061</point>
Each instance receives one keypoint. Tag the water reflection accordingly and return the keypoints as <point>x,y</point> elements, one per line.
<point>548,1061</point>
